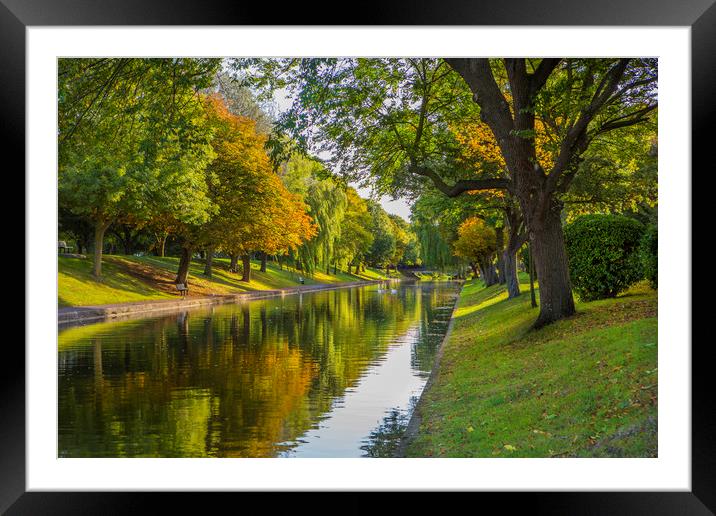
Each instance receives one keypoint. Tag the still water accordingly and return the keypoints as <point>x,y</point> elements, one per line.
<point>322,374</point>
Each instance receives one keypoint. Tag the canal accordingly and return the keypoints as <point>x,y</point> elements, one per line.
<point>324,374</point>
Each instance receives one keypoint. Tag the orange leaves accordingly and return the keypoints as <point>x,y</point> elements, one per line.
<point>257,212</point>
<point>481,153</point>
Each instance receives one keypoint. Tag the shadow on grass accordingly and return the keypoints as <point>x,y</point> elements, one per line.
<point>116,277</point>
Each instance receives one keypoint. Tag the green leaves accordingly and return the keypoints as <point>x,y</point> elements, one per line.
<point>603,254</point>
<point>133,139</point>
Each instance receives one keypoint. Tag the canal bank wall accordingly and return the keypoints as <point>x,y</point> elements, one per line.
<point>72,315</point>
<point>414,423</point>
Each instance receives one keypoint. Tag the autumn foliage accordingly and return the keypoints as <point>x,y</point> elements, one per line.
<point>256,211</point>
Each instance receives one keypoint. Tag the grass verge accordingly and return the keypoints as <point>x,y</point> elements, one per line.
<point>582,387</point>
<point>133,278</point>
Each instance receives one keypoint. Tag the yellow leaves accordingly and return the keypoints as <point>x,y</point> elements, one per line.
<point>510,448</point>
<point>475,239</point>
<point>481,152</point>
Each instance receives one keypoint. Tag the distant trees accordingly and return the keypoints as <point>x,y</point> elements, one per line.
<point>477,244</point>
<point>356,238</point>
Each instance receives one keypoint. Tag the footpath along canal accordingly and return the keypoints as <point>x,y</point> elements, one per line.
<point>327,373</point>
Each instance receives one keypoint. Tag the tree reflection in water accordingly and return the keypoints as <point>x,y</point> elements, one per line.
<point>233,380</point>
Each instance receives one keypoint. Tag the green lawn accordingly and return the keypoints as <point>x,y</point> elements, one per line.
<point>585,386</point>
<point>131,278</point>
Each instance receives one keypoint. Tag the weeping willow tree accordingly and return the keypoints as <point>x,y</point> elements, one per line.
<point>434,249</point>
<point>327,202</point>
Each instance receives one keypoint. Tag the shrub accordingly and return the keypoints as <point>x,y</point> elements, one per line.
<point>603,252</point>
<point>648,251</point>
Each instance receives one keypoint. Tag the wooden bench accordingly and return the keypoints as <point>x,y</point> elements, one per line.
<point>183,289</point>
<point>63,248</point>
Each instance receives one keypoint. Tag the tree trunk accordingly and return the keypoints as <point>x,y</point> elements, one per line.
<point>263,262</point>
<point>127,241</point>
<point>246,263</point>
<point>280,262</point>
<point>550,257</point>
<point>475,271</point>
<point>184,262</point>
<point>335,269</point>
<point>349,268</point>
<point>161,244</point>
<point>489,276</point>
<point>99,230</point>
<point>234,263</point>
<point>509,263</point>
<point>209,262</point>
<point>532,278</point>
<point>500,244</point>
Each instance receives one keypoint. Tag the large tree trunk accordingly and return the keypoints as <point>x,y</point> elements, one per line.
<point>550,257</point>
<point>184,262</point>
<point>475,271</point>
<point>500,244</point>
<point>209,262</point>
<point>99,230</point>
<point>246,263</point>
<point>263,262</point>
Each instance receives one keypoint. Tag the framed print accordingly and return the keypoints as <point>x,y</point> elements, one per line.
<point>377,256</point>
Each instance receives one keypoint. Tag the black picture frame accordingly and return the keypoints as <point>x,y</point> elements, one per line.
<point>700,15</point>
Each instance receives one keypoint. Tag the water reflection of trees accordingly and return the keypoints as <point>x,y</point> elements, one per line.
<point>230,380</point>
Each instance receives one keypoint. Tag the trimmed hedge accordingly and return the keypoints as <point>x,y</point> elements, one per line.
<point>604,254</point>
<point>648,250</point>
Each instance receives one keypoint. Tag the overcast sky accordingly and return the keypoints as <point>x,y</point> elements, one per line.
<point>397,207</point>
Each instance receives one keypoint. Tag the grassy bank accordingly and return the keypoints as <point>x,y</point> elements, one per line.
<point>132,278</point>
<point>585,386</point>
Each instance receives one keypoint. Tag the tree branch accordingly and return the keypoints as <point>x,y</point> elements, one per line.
<point>495,109</point>
<point>542,73</point>
<point>576,134</point>
<point>463,185</point>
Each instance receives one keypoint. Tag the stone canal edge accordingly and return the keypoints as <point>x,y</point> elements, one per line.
<point>83,314</point>
<point>411,431</point>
